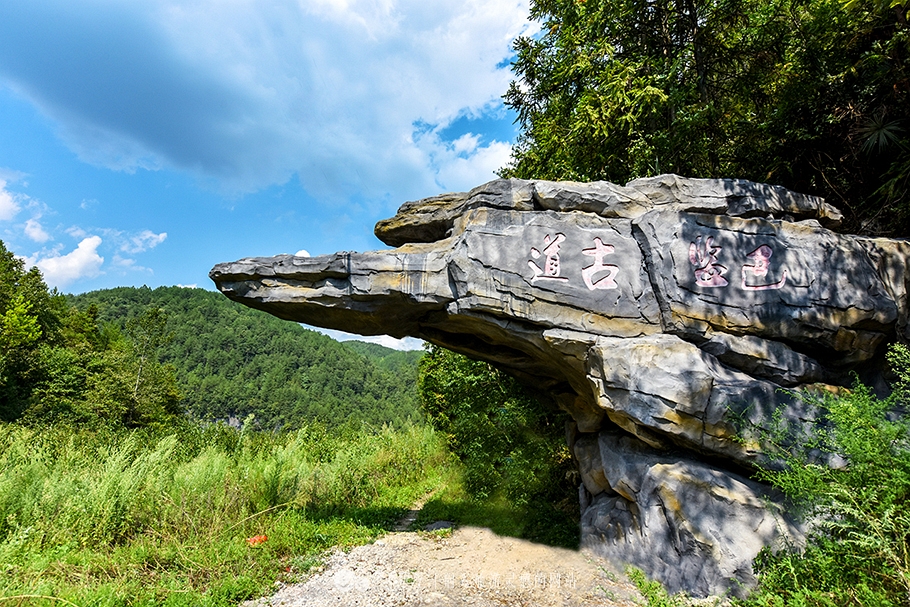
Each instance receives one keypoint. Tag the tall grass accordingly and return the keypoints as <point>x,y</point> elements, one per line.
<point>134,518</point>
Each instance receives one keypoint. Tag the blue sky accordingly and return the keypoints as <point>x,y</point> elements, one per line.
<point>141,142</point>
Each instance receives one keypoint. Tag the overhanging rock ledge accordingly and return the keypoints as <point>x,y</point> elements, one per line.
<point>663,315</point>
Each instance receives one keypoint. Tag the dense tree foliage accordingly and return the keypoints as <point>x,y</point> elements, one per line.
<point>232,361</point>
<point>858,551</point>
<point>393,361</point>
<point>59,364</point>
<point>29,319</point>
<point>810,94</point>
<point>512,446</point>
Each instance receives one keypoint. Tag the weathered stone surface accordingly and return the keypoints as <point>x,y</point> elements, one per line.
<point>490,274</point>
<point>364,293</point>
<point>601,197</point>
<point>734,197</point>
<point>764,358</point>
<point>666,391</point>
<point>432,219</point>
<point>818,287</point>
<point>590,466</point>
<point>693,527</point>
<point>664,316</point>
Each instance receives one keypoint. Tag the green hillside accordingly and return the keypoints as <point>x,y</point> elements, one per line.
<point>232,361</point>
<point>393,361</point>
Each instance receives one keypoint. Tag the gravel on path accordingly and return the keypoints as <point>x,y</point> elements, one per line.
<point>465,566</point>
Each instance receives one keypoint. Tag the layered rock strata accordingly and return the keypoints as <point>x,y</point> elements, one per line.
<point>665,316</point>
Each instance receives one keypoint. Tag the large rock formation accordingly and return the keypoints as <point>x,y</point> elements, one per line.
<point>665,316</point>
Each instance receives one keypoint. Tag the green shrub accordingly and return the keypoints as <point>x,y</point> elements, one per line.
<point>512,446</point>
<point>858,552</point>
<point>654,593</point>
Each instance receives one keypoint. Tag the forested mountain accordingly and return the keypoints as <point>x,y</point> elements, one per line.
<point>393,361</point>
<point>231,361</point>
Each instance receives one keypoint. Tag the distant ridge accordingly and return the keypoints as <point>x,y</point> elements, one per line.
<point>394,361</point>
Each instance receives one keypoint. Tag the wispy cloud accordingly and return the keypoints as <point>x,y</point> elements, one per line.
<point>76,232</point>
<point>143,241</point>
<point>128,264</point>
<point>247,94</point>
<point>87,259</point>
<point>11,175</point>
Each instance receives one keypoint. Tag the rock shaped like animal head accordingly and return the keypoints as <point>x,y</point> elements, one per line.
<point>662,315</point>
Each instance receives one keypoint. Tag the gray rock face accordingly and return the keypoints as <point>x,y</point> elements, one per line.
<point>678,519</point>
<point>664,316</point>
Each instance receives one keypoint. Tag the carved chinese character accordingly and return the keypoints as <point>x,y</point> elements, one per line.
<point>761,258</point>
<point>551,267</point>
<point>605,282</point>
<point>703,255</point>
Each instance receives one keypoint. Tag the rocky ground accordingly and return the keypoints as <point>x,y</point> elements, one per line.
<point>466,566</point>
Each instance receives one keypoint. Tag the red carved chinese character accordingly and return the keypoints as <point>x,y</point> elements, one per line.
<point>551,267</point>
<point>761,258</point>
<point>703,255</point>
<point>606,282</point>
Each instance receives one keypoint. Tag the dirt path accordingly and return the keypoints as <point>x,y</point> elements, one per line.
<point>466,566</point>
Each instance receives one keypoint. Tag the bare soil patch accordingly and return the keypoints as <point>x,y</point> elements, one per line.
<point>465,566</point>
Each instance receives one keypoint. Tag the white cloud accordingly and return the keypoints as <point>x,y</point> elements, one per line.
<point>124,262</point>
<point>83,262</point>
<point>302,253</point>
<point>458,163</point>
<point>8,206</point>
<point>35,231</point>
<point>86,260</point>
<point>12,176</point>
<point>76,232</point>
<point>145,240</point>
<point>127,263</point>
<point>406,343</point>
<point>247,94</point>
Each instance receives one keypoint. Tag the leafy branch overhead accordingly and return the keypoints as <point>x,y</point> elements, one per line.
<point>812,95</point>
